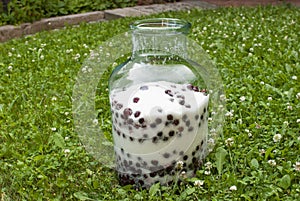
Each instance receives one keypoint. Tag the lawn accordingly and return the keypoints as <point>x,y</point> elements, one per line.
<point>256,51</point>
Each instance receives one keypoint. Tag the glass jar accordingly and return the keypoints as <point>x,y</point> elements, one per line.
<point>159,105</point>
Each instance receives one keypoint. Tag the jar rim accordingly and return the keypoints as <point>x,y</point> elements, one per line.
<point>161,24</point>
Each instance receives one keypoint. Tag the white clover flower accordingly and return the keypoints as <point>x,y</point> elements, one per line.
<point>229,113</point>
<point>53,129</point>
<point>179,165</point>
<point>198,183</point>
<point>262,151</point>
<point>262,82</point>
<point>269,50</point>
<point>53,98</point>
<point>183,174</point>
<point>270,98</point>
<point>272,162</point>
<point>277,137</point>
<point>85,46</point>
<point>289,107</point>
<point>239,121</point>
<point>298,121</point>
<point>208,165</point>
<point>223,97</point>
<point>95,121</point>
<point>229,142</point>
<point>298,95</point>
<point>66,151</point>
<point>242,98</point>
<point>84,69</point>
<point>286,122</point>
<point>233,188</point>
<point>10,68</point>
<point>207,172</point>
<point>67,138</point>
<point>69,51</point>
<point>294,77</point>
<point>211,141</point>
<point>297,166</point>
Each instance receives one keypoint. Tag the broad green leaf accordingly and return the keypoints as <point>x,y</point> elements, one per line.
<point>285,182</point>
<point>82,196</point>
<point>58,140</point>
<point>254,163</point>
<point>154,189</point>
<point>220,158</point>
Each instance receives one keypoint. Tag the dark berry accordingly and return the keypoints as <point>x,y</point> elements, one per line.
<point>190,87</point>
<point>130,121</point>
<point>181,102</point>
<point>137,114</point>
<point>127,112</point>
<point>166,155</point>
<point>144,87</point>
<point>141,120</point>
<point>154,139</point>
<point>180,129</point>
<point>119,106</point>
<point>176,122</point>
<point>169,92</point>
<point>154,162</point>
<point>158,120</point>
<point>136,99</point>
<point>159,134</point>
<point>188,123</point>
<point>191,129</point>
<point>171,133</point>
<point>196,89</point>
<point>170,117</point>
<point>185,157</point>
<point>153,125</point>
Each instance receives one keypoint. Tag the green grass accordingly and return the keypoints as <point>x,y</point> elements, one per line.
<point>257,53</point>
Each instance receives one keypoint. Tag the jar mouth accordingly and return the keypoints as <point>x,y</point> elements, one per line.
<point>161,24</point>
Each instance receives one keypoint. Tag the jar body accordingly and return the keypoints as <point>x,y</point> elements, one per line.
<point>159,108</point>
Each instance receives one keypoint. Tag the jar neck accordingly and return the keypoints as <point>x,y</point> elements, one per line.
<point>158,44</point>
<point>161,36</point>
